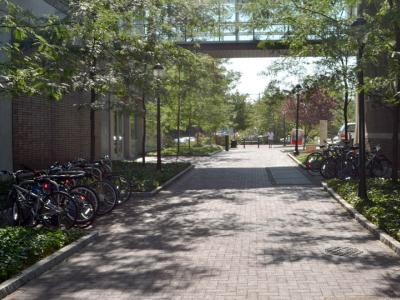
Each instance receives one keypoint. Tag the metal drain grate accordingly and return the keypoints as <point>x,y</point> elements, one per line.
<point>343,251</point>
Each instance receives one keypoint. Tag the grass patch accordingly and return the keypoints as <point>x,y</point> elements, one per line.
<point>384,210</point>
<point>146,178</point>
<point>21,247</point>
<point>302,157</point>
<point>194,150</point>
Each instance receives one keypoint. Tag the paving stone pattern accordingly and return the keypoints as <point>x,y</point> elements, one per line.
<point>226,231</point>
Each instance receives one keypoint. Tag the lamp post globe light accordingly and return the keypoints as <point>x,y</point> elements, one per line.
<point>358,28</point>
<point>158,72</point>
<point>297,90</point>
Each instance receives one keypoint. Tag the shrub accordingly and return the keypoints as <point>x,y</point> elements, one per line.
<point>20,247</point>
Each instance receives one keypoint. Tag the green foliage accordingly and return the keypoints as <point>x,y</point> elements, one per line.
<point>318,28</point>
<point>385,198</point>
<point>21,247</point>
<point>34,58</point>
<point>266,114</point>
<point>302,157</point>
<point>146,177</point>
<point>241,114</point>
<point>194,150</point>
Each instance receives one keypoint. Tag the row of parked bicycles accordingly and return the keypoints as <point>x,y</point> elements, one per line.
<point>66,195</point>
<point>342,161</point>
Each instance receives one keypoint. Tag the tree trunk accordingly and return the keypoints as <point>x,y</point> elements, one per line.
<point>190,124</point>
<point>178,117</point>
<point>144,129</point>
<point>92,125</point>
<point>395,139</point>
<point>345,110</point>
<point>92,75</point>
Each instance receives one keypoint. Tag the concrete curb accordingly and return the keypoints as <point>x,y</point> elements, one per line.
<point>215,152</point>
<point>194,155</point>
<point>383,237</point>
<point>11,285</point>
<point>297,161</point>
<point>164,185</point>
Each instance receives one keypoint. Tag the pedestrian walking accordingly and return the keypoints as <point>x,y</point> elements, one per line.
<point>270,139</point>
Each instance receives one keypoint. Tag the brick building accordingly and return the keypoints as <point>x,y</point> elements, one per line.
<point>36,131</point>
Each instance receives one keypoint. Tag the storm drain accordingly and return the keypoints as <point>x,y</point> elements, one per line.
<point>343,251</point>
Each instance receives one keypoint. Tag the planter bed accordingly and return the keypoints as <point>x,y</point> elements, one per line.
<point>21,247</point>
<point>206,150</point>
<point>384,210</point>
<point>147,178</point>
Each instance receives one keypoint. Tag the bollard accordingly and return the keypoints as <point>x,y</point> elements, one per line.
<point>258,142</point>
<point>227,143</point>
<point>244,143</point>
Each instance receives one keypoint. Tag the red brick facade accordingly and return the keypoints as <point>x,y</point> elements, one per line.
<point>45,131</point>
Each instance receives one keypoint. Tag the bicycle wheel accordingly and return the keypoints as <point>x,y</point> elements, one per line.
<point>107,196</point>
<point>328,168</point>
<point>86,210</point>
<point>122,186</point>
<point>89,193</point>
<point>313,162</point>
<point>381,168</point>
<point>23,208</point>
<point>58,210</point>
<point>346,169</point>
<point>19,217</point>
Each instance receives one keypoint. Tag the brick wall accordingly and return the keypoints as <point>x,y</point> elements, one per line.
<point>45,131</point>
<point>379,127</point>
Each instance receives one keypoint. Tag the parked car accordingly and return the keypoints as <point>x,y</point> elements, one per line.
<point>351,129</point>
<point>185,139</point>
<point>288,138</point>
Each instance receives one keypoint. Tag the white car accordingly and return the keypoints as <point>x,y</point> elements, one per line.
<point>185,139</point>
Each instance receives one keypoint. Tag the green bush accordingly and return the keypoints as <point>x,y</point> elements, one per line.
<point>302,157</point>
<point>194,150</point>
<point>384,210</point>
<point>21,247</point>
<point>147,178</point>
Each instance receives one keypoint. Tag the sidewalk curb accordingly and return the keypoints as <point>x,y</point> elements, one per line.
<point>164,185</point>
<point>193,155</point>
<point>11,285</point>
<point>383,237</point>
<point>296,161</point>
<point>214,153</point>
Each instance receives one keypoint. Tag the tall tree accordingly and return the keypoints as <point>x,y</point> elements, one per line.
<point>314,105</point>
<point>317,28</point>
<point>32,58</point>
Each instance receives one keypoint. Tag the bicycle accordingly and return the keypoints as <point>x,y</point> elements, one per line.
<point>31,206</point>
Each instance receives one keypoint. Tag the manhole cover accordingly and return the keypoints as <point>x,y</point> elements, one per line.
<point>343,251</point>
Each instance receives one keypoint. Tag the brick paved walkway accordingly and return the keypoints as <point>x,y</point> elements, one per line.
<point>230,229</point>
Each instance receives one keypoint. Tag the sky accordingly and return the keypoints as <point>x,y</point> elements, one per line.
<point>252,82</point>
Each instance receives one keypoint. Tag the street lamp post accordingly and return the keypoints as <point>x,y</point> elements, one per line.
<point>297,90</point>
<point>362,185</point>
<point>158,72</point>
